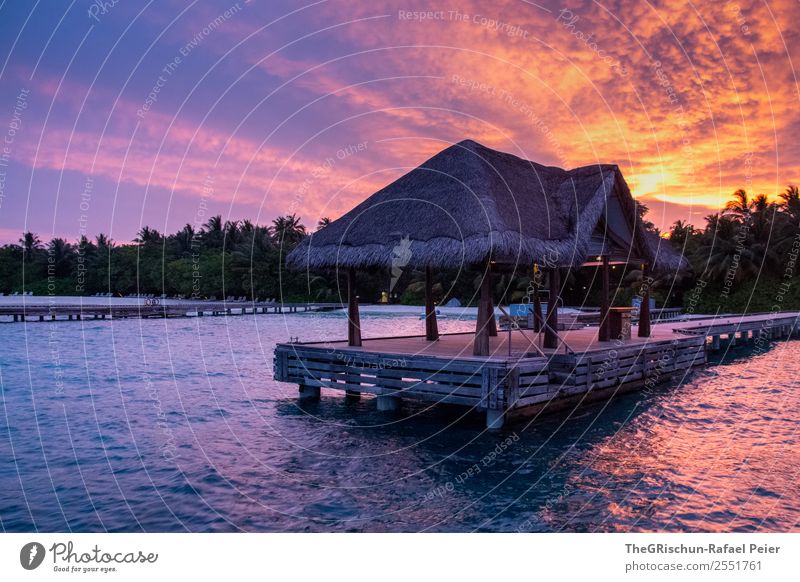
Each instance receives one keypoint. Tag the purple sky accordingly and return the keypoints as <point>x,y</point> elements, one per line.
<point>165,113</point>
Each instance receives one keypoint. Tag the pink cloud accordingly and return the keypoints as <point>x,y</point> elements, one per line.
<point>704,92</point>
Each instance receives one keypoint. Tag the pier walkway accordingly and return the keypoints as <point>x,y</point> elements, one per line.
<point>41,311</point>
<point>522,379</point>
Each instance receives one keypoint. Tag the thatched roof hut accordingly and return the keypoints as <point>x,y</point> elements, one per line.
<point>469,203</point>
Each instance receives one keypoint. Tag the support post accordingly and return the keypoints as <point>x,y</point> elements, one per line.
<point>494,419</point>
<point>644,308</point>
<point>481,345</point>
<point>603,334</point>
<point>353,321</point>
<point>715,343</point>
<point>490,318</point>
<point>431,325</point>
<point>309,392</point>
<point>551,329</point>
<point>388,402</point>
<point>537,302</point>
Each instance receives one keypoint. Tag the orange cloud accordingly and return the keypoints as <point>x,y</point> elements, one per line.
<point>691,101</point>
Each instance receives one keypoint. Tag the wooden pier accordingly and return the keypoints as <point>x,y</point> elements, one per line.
<point>472,206</point>
<point>153,309</point>
<point>517,379</point>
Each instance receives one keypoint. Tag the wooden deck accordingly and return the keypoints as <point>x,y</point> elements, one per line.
<point>522,380</point>
<point>459,345</point>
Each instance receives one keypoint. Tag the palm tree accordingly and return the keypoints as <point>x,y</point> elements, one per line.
<point>213,232</point>
<point>763,214</point>
<point>231,233</point>
<point>255,262</point>
<point>214,224</point>
<point>288,230</point>
<point>30,244</point>
<point>103,242</point>
<point>59,257</point>
<point>85,246</point>
<point>183,240</point>
<point>721,252</point>
<point>323,222</point>
<point>739,207</point>
<point>790,196</point>
<point>679,233</point>
<point>790,204</point>
<point>788,221</point>
<point>102,263</point>
<point>147,236</point>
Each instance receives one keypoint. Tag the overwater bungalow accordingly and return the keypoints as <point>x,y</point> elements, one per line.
<point>470,206</point>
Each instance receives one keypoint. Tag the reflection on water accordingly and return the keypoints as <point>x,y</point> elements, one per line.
<point>177,425</point>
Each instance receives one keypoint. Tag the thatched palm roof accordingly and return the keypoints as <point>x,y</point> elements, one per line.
<point>468,203</point>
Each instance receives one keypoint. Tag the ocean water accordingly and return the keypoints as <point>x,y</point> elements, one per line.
<point>177,425</point>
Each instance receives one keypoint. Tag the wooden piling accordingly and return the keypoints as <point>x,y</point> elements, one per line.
<point>644,307</point>
<point>490,318</point>
<point>353,320</point>
<point>309,392</point>
<point>388,402</point>
<point>605,304</point>
<point>481,344</point>
<point>551,321</point>
<point>431,325</point>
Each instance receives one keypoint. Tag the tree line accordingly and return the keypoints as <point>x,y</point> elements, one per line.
<point>221,259</point>
<point>742,259</point>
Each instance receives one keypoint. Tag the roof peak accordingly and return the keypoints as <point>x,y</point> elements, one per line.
<point>469,142</point>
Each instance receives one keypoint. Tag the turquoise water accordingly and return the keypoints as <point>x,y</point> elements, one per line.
<point>152,425</point>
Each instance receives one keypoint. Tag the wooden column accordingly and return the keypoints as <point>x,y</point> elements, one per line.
<point>431,325</point>
<point>490,318</point>
<point>353,321</point>
<point>644,308</point>
<point>603,335</point>
<point>537,303</point>
<point>481,345</point>
<point>551,329</point>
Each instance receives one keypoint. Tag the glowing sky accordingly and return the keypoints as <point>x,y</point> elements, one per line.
<point>165,113</point>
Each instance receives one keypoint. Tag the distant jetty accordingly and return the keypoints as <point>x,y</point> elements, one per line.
<point>151,309</point>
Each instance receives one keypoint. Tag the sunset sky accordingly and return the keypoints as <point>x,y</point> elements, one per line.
<point>113,116</point>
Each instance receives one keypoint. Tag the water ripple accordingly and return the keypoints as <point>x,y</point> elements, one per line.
<point>178,425</point>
